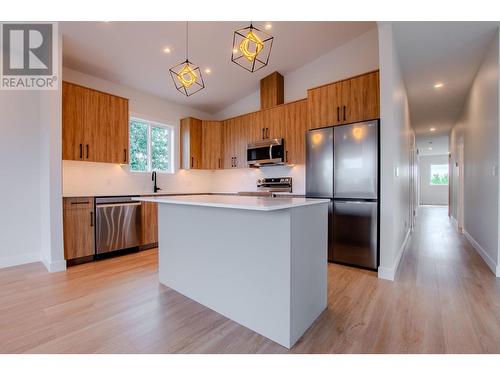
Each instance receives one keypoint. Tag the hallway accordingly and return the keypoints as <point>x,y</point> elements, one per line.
<point>444,300</point>
<point>449,300</point>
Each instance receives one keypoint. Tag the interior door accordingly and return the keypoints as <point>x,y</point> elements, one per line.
<point>356,161</point>
<point>355,233</point>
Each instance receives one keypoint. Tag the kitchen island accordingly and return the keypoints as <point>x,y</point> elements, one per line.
<point>261,262</point>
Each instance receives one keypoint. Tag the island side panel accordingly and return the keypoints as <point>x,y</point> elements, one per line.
<point>309,244</point>
<point>236,262</point>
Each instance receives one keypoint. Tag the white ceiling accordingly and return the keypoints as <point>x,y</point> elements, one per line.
<point>439,144</point>
<point>447,52</point>
<point>131,54</point>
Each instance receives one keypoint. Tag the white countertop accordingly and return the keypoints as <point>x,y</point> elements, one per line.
<point>235,202</point>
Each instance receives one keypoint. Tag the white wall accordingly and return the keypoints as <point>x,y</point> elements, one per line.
<point>478,129</point>
<point>396,138</point>
<point>83,178</point>
<point>51,241</point>
<point>358,56</point>
<point>431,194</point>
<point>30,150</point>
<point>20,184</point>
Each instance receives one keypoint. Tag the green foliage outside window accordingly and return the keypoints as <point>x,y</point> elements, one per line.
<point>439,174</point>
<point>149,147</point>
<point>439,180</point>
<point>160,154</point>
<point>138,146</point>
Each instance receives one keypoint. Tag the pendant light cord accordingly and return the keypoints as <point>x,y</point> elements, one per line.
<point>187,37</point>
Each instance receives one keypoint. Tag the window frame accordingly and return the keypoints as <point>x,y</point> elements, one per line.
<point>447,173</point>
<point>150,124</point>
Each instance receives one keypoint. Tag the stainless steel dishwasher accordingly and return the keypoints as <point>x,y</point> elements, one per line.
<point>118,224</point>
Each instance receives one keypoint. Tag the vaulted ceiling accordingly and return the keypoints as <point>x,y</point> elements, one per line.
<point>131,54</point>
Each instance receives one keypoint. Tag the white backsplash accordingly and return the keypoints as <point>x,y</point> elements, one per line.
<point>233,180</point>
<point>83,178</point>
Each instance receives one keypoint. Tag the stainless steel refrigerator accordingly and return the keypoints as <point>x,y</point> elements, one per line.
<point>342,164</point>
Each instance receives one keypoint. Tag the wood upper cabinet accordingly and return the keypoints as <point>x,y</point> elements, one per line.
<point>95,125</point>
<point>191,143</point>
<point>149,223</point>
<point>324,105</point>
<point>78,225</point>
<point>212,144</point>
<point>351,100</point>
<point>73,122</point>
<point>295,123</point>
<point>235,142</point>
<point>268,124</point>
<point>361,98</point>
<point>117,130</point>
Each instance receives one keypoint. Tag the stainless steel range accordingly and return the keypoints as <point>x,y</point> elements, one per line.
<point>268,187</point>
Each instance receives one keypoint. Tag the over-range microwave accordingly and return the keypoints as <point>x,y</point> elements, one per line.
<point>266,152</point>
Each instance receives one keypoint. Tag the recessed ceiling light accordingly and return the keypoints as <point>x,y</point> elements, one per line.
<point>166,50</point>
<point>430,148</point>
<point>268,26</point>
<point>438,85</point>
<point>208,71</point>
<point>432,129</point>
<point>235,50</point>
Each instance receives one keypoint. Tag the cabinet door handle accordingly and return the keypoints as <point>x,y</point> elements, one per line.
<point>87,150</point>
<point>91,219</point>
<point>125,155</point>
<point>267,132</point>
<point>219,163</point>
<point>338,114</point>
<point>263,134</point>
<point>286,157</point>
<point>81,151</point>
<point>344,112</point>
<point>192,161</point>
<point>235,161</point>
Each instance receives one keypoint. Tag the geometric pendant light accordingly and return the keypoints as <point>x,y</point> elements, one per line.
<point>187,76</point>
<point>251,48</point>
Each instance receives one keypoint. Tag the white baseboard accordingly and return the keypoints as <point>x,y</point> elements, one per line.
<point>389,273</point>
<point>486,257</point>
<point>19,259</point>
<point>56,266</point>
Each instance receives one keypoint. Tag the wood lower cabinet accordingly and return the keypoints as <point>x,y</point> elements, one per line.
<point>191,143</point>
<point>149,222</point>
<point>78,224</point>
<point>351,100</point>
<point>295,123</point>
<point>212,145</point>
<point>94,125</point>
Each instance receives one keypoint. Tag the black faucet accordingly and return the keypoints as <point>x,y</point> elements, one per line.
<point>153,178</point>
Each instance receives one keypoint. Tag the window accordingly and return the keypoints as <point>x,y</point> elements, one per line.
<point>150,146</point>
<point>439,174</point>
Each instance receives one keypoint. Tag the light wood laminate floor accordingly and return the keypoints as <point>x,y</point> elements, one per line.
<point>444,300</point>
